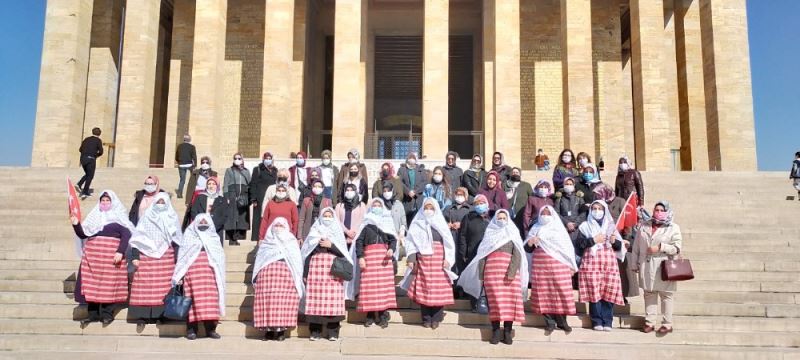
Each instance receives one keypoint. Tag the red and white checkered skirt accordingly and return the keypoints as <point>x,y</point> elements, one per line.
<point>200,284</point>
<point>505,296</point>
<point>324,292</point>
<point>431,285</point>
<point>377,289</point>
<point>276,302</point>
<point>599,277</point>
<point>101,280</point>
<point>551,285</point>
<point>151,281</point>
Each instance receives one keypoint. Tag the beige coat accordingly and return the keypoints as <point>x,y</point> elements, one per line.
<point>650,265</point>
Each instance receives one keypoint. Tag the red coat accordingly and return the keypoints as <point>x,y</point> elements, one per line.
<point>285,209</point>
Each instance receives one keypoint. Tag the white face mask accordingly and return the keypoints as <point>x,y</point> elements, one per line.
<point>428,213</point>
<point>278,231</point>
<point>542,192</point>
<point>237,162</point>
<point>326,162</point>
<point>267,162</point>
<point>205,166</point>
<point>354,161</point>
<point>411,162</point>
<point>349,195</point>
<point>624,166</point>
<point>327,221</point>
<point>583,162</point>
<point>598,214</point>
<point>545,219</point>
<point>437,178</point>
<point>502,222</point>
<point>317,190</point>
<point>569,189</point>
<point>460,199</point>
<point>388,195</point>
<point>281,195</point>
<point>160,207</point>
<point>150,188</point>
<point>566,158</point>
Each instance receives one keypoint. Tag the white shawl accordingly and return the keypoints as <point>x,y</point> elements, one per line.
<point>194,241</point>
<point>496,235</point>
<point>592,227</point>
<point>96,220</point>
<point>554,239</point>
<point>156,229</point>
<point>420,239</point>
<point>282,246</point>
<point>334,233</point>
<point>385,223</point>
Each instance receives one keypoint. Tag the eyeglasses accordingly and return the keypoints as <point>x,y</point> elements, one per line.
<point>147,183</point>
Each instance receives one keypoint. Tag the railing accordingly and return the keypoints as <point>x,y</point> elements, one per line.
<point>391,144</point>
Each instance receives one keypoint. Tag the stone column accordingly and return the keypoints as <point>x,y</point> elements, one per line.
<point>508,135</point>
<point>649,79</point>
<point>487,35</point>
<point>62,84</point>
<point>435,86</point>
<point>280,131</point>
<point>628,114</point>
<point>208,85</point>
<point>671,77</point>
<point>180,78</point>
<point>137,88</point>
<point>691,85</point>
<point>608,102</point>
<point>349,76</point>
<point>728,87</point>
<point>578,93</point>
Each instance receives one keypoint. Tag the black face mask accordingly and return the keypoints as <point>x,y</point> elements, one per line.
<point>384,174</point>
<point>202,227</point>
<point>354,173</point>
<point>515,178</point>
<point>281,178</point>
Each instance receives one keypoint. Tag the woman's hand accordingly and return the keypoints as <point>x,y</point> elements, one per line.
<point>411,265</point>
<point>570,226</point>
<point>389,253</point>
<point>362,264</point>
<point>135,263</point>
<point>351,234</point>
<point>599,239</point>
<point>534,241</point>
<point>117,258</point>
<point>74,219</point>
<point>445,265</point>
<point>325,243</point>
<point>627,244</point>
<point>654,249</point>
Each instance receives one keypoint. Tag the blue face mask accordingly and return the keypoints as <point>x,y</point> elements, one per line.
<point>482,208</point>
<point>376,211</point>
<point>301,162</point>
<point>588,176</point>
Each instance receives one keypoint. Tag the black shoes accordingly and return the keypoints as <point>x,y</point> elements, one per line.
<point>496,334</point>
<point>280,336</point>
<point>214,335</point>
<point>369,322</point>
<point>269,335</point>
<point>507,337</point>
<point>191,334</point>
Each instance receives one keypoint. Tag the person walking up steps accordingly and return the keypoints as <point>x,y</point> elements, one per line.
<point>186,158</point>
<point>795,174</point>
<point>91,149</point>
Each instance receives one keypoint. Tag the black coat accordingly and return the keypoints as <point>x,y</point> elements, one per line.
<point>473,226</point>
<point>133,214</point>
<point>413,204</point>
<point>219,210</point>
<point>473,182</point>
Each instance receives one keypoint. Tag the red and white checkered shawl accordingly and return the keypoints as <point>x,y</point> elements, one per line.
<point>194,241</point>
<point>280,246</point>
<point>334,232</point>
<point>157,229</point>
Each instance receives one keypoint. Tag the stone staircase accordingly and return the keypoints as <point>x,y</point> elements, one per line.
<point>740,231</point>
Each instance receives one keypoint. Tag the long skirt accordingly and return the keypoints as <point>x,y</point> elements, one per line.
<point>276,302</point>
<point>377,290</point>
<point>101,280</point>
<point>200,284</point>
<point>151,283</point>
<point>431,285</point>
<point>324,292</point>
<point>504,296</point>
<point>551,286</point>
<point>599,277</point>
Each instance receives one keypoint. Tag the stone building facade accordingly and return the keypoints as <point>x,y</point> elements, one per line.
<point>666,82</point>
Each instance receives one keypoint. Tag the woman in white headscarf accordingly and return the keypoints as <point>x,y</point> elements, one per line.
<point>278,281</point>
<point>598,277</point>
<point>325,293</point>
<point>552,267</point>
<point>373,278</point>
<point>102,241</point>
<point>500,271</point>
<point>153,256</point>
<point>201,270</point>
<point>431,253</point>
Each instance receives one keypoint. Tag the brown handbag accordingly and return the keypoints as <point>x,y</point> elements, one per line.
<point>676,269</point>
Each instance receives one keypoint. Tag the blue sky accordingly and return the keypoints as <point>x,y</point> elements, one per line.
<point>774,52</point>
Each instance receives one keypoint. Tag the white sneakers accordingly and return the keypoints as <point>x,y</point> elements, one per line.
<point>602,328</point>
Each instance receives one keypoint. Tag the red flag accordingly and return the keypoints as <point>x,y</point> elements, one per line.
<point>629,216</point>
<point>73,201</point>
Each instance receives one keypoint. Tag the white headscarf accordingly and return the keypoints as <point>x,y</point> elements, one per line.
<point>280,246</point>
<point>385,223</point>
<point>607,227</point>
<point>496,235</point>
<point>97,219</point>
<point>596,178</point>
<point>420,238</point>
<point>194,241</point>
<point>156,229</point>
<point>554,239</point>
<point>334,232</point>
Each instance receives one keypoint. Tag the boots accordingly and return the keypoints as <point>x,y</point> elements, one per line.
<point>561,322</point>
<point>211,330</point>
<point>496,334</point>
<point>508,333</point>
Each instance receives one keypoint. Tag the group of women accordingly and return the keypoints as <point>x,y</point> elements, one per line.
<point>321,241</point>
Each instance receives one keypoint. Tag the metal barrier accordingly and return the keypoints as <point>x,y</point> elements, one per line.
<point>391,144</point>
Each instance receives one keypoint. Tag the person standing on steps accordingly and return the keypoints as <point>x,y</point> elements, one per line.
<point>541,161</point>
<point>264,175</point>
<point>470,234</point>
<point>91,149</point>
<point>237,189</point>
<point>186,158</point>
<point>474,177</point>
<point>452,171</point>
<point>142,199</point>
<point>795,174</point>
<point>629,180</point>
<point>212,202</point>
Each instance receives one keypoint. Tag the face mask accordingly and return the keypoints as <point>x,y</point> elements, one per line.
<point>237,162</point>
<point>202,227</point>
<point>460,199</point>
<point>300,162</point>
<point>542,192</point>
<point>624,166</point>
<point>354,161</point>
<point>160,207</point>
<point>482,208</point>
<point>205,166</point>
<point>566,158</point>
<point>327,221</point>
<point>277,231</point>
<point>569,189</point>
<point>105,206</point>
<point>150,188</point>
<point>388,195</point>
<point>588,176</point>
<point>281,195</point>
<point>326,162</point>
<point>598,214</point>
<point>267,162</point>
<point>437,178</point>
<point>385,174</point>
<point>411,162</point>
<point>660,216</point>
<point>428,213</point>
<point>502,222</point>
<point>317,190</point>
<point>583,162</point>
<point>353,173</point>
<point>545,219</point>
<point>376,211</point>
<point>516,178</point>
<point>282,179</point>
<point>349,195</point>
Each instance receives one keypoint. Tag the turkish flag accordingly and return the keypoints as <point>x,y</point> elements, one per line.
<point>629,216</point>
<point>73,201</point>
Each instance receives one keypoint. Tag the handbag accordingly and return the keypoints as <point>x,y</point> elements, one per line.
<point>676,269</point>
<point>482,305</point>
<point>242,198</point>
<point>342,269</point>
<point>176,305</point>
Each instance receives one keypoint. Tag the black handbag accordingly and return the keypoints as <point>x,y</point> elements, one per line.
<point>482,305</point>
<point>176,305</point>
<point>342,269</point>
